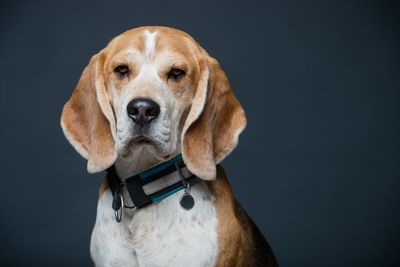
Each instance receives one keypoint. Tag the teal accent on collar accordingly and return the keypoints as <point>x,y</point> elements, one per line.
<point>160,168</point>
<point>135,184</point>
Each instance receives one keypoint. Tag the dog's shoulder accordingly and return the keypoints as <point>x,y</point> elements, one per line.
<point>261,251</point>
<point>241,243</point>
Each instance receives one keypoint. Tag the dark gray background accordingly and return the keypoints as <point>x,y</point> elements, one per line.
<point>317,167</point>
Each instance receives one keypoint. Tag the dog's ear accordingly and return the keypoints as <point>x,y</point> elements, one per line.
<point>87,118</point>
<point>214,122</point>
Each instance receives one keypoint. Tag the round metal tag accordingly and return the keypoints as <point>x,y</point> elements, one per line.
<point>186,201</point>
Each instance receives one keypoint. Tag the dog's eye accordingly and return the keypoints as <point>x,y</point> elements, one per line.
<point>176,73</point>
<point>122,70</point>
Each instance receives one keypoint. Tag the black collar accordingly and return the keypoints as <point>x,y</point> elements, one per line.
<point>151,185</point>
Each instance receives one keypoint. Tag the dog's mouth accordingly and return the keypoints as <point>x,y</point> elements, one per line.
<point>146,141</point>
<point>136,142</point>
<point>142,140</point>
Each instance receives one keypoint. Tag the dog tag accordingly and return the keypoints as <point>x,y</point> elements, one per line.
<point>187,201</point>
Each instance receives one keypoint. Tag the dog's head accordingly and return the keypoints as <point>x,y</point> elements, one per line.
<point>153,88</point>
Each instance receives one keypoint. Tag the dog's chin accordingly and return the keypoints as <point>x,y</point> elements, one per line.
<point>139,142</point>
<point>142,140</point>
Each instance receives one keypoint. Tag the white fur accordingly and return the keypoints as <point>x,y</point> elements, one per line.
<point>148,84</point>
<point>162,234</point>
<point>150,42</point>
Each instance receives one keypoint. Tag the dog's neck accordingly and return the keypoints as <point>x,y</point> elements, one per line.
<point>140,160</point>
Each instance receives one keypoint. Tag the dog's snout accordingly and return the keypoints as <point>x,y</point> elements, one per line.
<point>143,110</point>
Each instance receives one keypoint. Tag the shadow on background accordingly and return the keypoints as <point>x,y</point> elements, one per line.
<point>317,167</point>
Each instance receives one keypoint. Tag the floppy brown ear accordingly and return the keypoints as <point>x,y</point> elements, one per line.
<point>87,118</point>
<point>213,125</point>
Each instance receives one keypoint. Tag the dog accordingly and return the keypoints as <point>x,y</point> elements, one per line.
<point>156,111</point>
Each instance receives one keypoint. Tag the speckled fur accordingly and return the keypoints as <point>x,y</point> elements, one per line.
<point>163,234</point>
<point>199,117</point>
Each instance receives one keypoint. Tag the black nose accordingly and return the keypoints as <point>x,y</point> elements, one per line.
<point>143,110</point>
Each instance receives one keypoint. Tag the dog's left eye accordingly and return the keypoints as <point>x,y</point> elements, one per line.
<point>122,70</point>
<point>176,73</point>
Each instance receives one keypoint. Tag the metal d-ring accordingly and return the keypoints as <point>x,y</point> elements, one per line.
<point>118,213</point>
<point>185,183</point>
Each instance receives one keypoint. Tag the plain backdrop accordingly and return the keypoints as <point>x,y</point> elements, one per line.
<point>317,167</point>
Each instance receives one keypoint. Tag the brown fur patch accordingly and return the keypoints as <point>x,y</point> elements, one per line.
<point>240,242</point>
<point>214,134</point>
<point>103,187</point>
<point>87,118</point>
<point>85,124</point>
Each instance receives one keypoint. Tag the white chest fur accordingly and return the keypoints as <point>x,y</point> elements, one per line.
<point>162,234</point>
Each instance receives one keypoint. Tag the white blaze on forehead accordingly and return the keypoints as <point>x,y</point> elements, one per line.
<point>149,42</point>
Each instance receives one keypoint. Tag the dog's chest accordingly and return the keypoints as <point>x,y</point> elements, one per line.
<point>162,234</point>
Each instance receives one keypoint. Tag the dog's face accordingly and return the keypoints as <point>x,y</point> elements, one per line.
<point>150,77</point>
<point>153,88</point>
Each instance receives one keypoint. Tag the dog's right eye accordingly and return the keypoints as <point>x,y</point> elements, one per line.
<point>122,71</point>
<point>176,73</point>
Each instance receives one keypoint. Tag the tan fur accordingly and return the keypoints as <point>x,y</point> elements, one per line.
<point>87,119</point>
<point>236,232</point>
<point>213,123</point>
<point>229,231</point>
<point>210,123</point>
<point>103,187</point>
<point>213,135</point>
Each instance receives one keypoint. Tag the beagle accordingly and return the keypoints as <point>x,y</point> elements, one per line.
<point>157,112</point>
